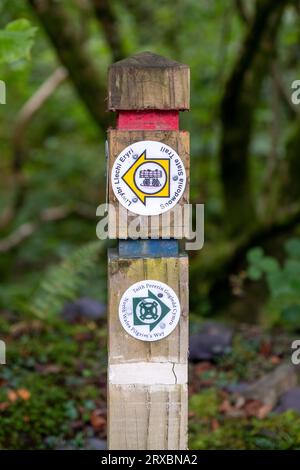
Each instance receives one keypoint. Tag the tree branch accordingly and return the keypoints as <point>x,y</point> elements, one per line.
<point>52,214</point>
<point>73,54</point>
<point>237,110</point>
<point>30,108</point>
<point>235,254</point>
<point>241,8</point>
<point>24,118</point>
<point>282,91</point>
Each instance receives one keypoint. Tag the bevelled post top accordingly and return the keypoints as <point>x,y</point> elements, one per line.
<point>148,81</point>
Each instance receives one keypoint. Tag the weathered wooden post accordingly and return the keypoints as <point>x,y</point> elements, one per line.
<point>148,177</point>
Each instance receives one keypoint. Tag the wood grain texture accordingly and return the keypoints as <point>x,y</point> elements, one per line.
<point>148,81</point>
<point>147,381</point>
<point>122,273</point>
<point>117,141</point>
<point>147,417</point>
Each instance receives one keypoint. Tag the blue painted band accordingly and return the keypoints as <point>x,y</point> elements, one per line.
<point>148,248</point>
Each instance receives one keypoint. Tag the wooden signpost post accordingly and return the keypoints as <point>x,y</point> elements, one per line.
<point>148,177</point>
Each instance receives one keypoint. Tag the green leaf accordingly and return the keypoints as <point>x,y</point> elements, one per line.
<point>254,273</point>
<point>292,247</point>
<point>255,254</point>
<point>292,267</point>
<point>71,410</point>
<point>291,316</point>
<point>269,265</point>
<point>16,41</point>
<point>276,283</point>
<point>295,286</point>
<point>264,443</point>
<point>62,282</point>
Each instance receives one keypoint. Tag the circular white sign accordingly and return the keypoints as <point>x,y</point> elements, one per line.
<point>148,177</point>
<point>149,310</point>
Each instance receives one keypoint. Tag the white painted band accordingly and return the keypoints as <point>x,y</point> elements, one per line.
<point>148,373</point>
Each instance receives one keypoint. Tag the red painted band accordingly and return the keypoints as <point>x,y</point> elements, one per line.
<point>148,120</point>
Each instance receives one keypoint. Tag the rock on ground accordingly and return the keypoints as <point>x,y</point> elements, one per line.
<point>83,309</point>
<point>271,386</point>
<point>95,444</point>
<point>212,340</point>
<point>290,400</point>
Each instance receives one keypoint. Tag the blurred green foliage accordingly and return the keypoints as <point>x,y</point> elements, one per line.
<point>277,432</point>
<point>59,366</point>
<point>64,160</point>
<point>16,41</point>
<point>283,307</point>
<point>63,165</point>
<point>65,282</point>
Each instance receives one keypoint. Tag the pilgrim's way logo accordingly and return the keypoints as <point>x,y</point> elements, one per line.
<point>148,177</point>
<point>149,310</point>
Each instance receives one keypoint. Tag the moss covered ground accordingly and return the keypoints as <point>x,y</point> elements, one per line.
<point>53,390</point>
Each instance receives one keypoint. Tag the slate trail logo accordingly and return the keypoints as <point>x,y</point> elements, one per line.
<point>148,177</point>
<point>149,310</point>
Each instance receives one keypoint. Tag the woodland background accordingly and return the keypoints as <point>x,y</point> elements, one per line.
<point>245,139</point>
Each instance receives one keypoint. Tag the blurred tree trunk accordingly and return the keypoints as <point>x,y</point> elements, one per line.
<point>237,109</point>
<point>291,187</point>
<point>73,54</point>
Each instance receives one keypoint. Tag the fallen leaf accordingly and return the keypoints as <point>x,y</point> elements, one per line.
<point>215,424</point>
<point>192,389</point>
<point>22,328</point>
<point>208,382</point>
<point>84,336</point>
<point>76,425</point>
<point>225,406</point>
<point>263,411</point>
<point>240,401</point>
<point>252,408</point>
<point>229,410</point>
<point>265,348</point>
<point>274,360</point>
<point>23,393</point>
<point>12,396</point>
<point>202,367</point>
<point>98,421</point>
